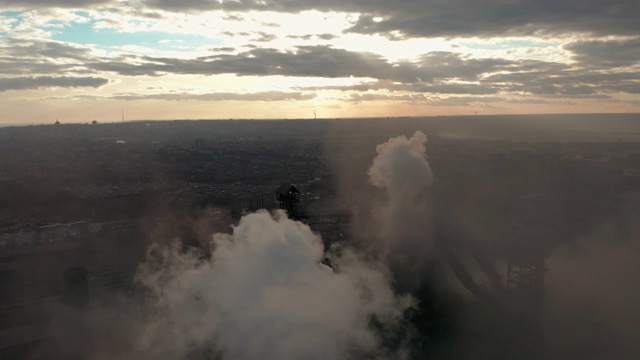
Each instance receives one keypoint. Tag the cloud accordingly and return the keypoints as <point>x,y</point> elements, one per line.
<point>305,61</point>
<point>264,294</point>
<point>18,56</point>
<point>302,37</point>
<point>495,18</point>
<point>600,69</point>
<point>220,96</point>
<point>223,49</point>
<point>323,61</point>
<point>39,48</point>
<point>424,99</point>
<point>53,3</point>
<point>565,83</point>
<point>264,37</point>
<point>326,36</point>
<point>606,53</point>
<point>451,88</point>
<point>445,18</point>
<point>411,98</point>
<point>420,88</point>
<point>36,82</point>
<point>36,4</point>
<point>401,170</point>
<point>463,100</point>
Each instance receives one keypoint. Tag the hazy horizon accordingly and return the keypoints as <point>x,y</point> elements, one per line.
<point>503,127</point>
<point>478,116</point>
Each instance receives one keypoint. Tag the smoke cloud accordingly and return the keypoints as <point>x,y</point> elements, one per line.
<point>400,168</point>
<point>265,293</point>
<point>593,297</point>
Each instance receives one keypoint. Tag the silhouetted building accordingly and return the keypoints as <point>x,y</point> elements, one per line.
<point>288,198</point>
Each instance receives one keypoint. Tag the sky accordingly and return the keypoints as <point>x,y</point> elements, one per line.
<point>84,60</point>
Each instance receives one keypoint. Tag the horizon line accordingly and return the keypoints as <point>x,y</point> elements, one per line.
<point>22,124</point>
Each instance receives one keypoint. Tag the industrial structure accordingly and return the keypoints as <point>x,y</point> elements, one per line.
<point>288,198</point>
<point>515,293</point>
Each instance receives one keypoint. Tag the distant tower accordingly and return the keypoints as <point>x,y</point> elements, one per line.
<point>526,270</point>
<point>57,122</point>
<point>288,198</point>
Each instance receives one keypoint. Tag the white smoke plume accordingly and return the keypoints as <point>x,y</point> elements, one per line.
<point>401,169</point>
<point>264,294</point>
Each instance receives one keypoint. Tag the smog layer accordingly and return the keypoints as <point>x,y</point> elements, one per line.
<point>469,237</point>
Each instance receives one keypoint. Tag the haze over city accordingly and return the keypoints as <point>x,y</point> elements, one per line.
<point>288,180</point>
<point>86,60</point>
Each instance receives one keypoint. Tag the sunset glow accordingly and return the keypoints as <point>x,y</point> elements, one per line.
<point>157,59</point>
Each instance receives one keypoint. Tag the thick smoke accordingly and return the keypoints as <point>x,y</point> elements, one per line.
<point>401,169</point>
<point>265,293</point>
<point>593,296</point>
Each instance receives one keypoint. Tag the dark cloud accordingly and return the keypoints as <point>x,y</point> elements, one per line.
<point>491,18</point>
<point>54,3</point>
<point>367,86</point>
<point>305,61</point>
<point>630,87</point>
<point>232,34</point>
<point>326,37</point>
<point>566,83</point>
<point>436,88</point>
<point>46,49</point>
<point>451,88</point>
<point>527,101</point>
<point>421,98</point>
<point>410,98</point>
<point>241,5</point>
<point>220,96</point>
<point>302,37</point>
<point>594,74</point>
<point>223,49</point>
<point>463,100</point>
<point>264,37</point>
<point>606,53</point>
<point>443,65</point>
<point>435,72</point>
<point>36,82</point>
<point>40,57</point>
<point>234,18</point>
<point>322,61</point>
<point>450,18</point>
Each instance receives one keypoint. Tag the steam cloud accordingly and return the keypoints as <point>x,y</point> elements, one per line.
<point>264,294</point>
<point>401,169</point>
